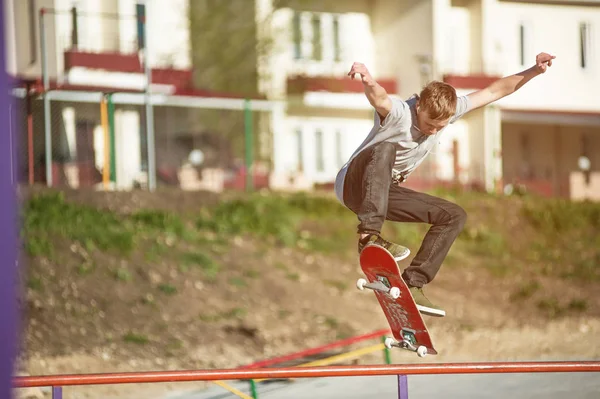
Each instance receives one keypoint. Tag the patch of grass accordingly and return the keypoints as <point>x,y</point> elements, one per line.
<point>292,276</point>
<point>139,339</point>
<point>560,215</point>
<point>252,273</point>
<point>35,283</point>
<point>340,285</point>
<point>483,241</point>
<point>168,289</point>
<point>315,206</point>
<point>577,305</point>
<point>156,251</point>
<point>407,234</point>
<point>86,268</point>
<point>525,291</point>
<point>174,345</point>
<point>122,274</point>
<point>280,266</point>
<point>209,267</point>
<point>38,245</point>
<point>497,268</point>
<point>551,307</point>
<point>148,299</point>
<point>331,322</point>
<point>49,215</point>
<point>235,313</point>
<point>237,282</point>
<point>283,314</point>
<point>159,220</point>
<point>258,214</point>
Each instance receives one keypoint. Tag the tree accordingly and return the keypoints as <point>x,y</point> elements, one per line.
<point>225,53</point>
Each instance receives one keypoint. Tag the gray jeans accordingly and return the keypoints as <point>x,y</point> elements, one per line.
<point>370,193</point>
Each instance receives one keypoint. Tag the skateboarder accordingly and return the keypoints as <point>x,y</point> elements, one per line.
<point>404,132</point>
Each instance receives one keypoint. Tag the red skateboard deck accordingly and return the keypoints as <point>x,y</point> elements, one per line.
<point>405,320</point>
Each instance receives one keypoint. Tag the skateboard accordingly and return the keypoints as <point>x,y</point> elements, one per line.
<point>398,305</point>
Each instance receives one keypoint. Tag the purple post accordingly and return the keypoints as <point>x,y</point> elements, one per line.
<point>402,386</point>
<point>8,232</point>
<point>56,392</point>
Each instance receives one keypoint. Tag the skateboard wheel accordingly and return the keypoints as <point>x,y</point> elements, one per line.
<point>360,283</point>
<point>421,351</point>
<point>395,292</point>
<point>389,342</point>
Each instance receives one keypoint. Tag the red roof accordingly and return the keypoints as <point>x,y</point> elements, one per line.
<point>302,84</point>
<point>470,81</point>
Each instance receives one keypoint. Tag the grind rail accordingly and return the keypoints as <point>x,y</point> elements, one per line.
<point>401,370</point>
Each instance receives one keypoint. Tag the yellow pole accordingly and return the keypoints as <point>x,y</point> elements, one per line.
<point>232,390</point>
<point>104,121</point>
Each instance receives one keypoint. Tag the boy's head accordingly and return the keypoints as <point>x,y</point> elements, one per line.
<point>435,107</point>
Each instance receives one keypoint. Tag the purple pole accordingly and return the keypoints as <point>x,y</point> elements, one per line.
<point>57,393</point>
<point>8,232</point>
<point>402,386</point>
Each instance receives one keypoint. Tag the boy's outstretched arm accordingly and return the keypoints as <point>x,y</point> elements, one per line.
<point>509,84</point>
<point>376,94</point>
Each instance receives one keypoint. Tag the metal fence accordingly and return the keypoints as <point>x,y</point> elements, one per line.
<point>101,139</point>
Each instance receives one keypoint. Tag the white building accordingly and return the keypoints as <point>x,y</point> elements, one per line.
<point>537,137</point>
<point>93,48</point>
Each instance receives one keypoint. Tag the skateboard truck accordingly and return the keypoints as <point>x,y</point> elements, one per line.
<point>408,342</point>
<point>394,292</point>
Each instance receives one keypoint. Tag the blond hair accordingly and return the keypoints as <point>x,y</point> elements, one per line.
<point>438,99</point>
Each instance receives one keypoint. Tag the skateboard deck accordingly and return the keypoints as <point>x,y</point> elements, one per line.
<point>405,320</point>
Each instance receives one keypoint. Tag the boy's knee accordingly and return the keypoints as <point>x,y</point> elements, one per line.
<point>458,216</point>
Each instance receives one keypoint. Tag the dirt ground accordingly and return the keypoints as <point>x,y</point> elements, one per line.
<point>267,302</point>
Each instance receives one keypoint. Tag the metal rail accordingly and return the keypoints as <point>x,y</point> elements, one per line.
<point>306,372</point>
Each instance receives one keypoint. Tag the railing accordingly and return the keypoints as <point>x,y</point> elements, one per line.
<point>402,371</point>
<point>381,334</point>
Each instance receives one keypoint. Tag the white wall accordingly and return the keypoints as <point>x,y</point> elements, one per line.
<point>403,31</point>
<point>169,33</point>
<point>356,44</point>
<point>340,138</point>
<point>552,29</point>
<point>127,145</point>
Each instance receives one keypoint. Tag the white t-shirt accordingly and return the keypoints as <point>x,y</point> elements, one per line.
<point>399,127</point>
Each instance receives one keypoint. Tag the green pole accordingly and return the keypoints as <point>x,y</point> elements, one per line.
<point>386,352</point>
<point>111,132</point>
<point>253,390</point>
<point>249,145</point>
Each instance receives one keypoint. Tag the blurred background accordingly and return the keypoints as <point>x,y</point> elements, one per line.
<point>176,161</point>
<point>261,85</point>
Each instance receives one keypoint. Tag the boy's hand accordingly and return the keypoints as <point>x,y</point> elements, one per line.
<point>360,71</point>
<point>543,61</point>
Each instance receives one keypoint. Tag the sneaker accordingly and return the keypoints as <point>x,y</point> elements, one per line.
<point>398,251</point>
<point>424,305</point>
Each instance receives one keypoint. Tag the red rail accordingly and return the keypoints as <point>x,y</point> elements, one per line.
<point>313,351</point>
<point>304,372</point>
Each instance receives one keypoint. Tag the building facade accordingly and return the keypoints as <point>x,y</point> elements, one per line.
<point>541,138</point>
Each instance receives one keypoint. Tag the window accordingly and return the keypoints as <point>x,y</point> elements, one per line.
<point>299,149</point>
<point>297,32</point>
<point>316,36</point>
<point>585,44</point>
<point>338,148</point>
<point>319,151</point>
<point>32,36</point>
<point>337,53</point>
<point>526,170</point>
<point>524,43</point>
<point>317,51</point>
